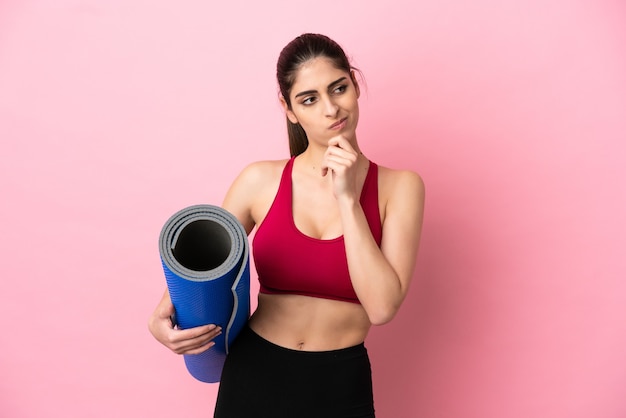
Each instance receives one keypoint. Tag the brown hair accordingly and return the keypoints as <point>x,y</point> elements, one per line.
<point>297,52</point>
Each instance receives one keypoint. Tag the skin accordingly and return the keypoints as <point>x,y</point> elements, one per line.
<point>327,182</point>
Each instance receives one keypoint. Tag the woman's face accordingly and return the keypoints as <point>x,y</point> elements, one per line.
<point>324,100</point>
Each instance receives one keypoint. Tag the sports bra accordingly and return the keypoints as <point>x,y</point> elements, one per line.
<point>289,262</point>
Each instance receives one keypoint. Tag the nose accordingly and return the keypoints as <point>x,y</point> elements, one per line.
<point>330,107</point>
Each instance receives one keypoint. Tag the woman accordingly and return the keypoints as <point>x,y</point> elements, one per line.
<point>335,249</point>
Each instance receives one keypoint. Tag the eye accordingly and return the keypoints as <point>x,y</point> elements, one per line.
<point>340,89</point>
<point>309,100</point>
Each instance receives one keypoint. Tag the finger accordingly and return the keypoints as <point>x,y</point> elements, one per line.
<point>334,163</point>
<point>342,142</point>
<point>336,150</point>
<point>199,335</point>
<point>189,339</point>
<point>334,153</point>
<point>340,153</point>
<point>198,345</point>
<point>338,162</point>
<point>201,349</point>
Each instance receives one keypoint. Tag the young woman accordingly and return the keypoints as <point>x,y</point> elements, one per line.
<point>335,248</point>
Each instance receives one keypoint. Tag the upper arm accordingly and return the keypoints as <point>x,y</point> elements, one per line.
<point>402,224</point>
<point>250,191</point>
<point>239,199</point>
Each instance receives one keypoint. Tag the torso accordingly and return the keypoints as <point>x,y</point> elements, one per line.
<point>290,261</point>
<point>297,321</point>
<point>307,323</point>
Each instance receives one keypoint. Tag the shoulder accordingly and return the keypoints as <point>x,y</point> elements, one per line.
<point>264,168</point>
<point>401,203</point>
<point>253,189</point>
<point>398,183</point>
<point>261,173</point>
<point>401,195</point>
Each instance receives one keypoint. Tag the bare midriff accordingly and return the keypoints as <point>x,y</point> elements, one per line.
<point>309,324</point>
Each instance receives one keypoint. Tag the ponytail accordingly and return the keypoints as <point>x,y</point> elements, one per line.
<point>298,141</point>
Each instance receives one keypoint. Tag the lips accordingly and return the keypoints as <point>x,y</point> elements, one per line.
<point>339,124</point>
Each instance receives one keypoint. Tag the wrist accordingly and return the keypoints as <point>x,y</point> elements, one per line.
<point>348,204</point>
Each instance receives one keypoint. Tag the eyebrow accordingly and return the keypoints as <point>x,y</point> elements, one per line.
<point>304,93</point>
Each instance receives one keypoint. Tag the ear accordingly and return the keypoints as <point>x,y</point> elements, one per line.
<point>290,115</point>
<point>356,84</point>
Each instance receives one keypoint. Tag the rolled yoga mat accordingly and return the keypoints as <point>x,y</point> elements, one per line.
<point>205,257</point>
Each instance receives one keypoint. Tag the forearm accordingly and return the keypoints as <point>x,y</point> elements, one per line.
<point>374,279</point>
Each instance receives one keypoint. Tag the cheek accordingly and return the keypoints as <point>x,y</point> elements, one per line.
<point>354,106</point>
<point>310,117</point>
<point>352,101</point>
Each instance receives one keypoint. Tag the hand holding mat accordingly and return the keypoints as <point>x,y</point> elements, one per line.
<point>205,257</point>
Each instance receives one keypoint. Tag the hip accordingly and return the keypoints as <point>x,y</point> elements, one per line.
<point>262,379</point>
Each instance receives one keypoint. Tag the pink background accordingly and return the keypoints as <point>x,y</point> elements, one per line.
<point>115,114</point>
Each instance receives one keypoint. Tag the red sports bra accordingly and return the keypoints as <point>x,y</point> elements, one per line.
<point>290,262</point>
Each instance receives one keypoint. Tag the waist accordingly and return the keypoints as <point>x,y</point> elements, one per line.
<point>309,324</point>
<point>346,351</point>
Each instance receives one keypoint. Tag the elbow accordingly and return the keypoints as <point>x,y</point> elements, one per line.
<point>382,310</point>
<point>382,315</point>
